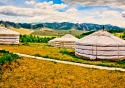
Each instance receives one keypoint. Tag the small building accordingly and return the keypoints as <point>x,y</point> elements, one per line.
<point>66,41</point>
<point>8,36</point>
<point>52,42</point>
<point>100,45</point>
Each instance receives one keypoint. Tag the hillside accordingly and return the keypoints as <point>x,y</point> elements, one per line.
<point>44,32</point>
<point>60,26</point>
<point>22,31</point>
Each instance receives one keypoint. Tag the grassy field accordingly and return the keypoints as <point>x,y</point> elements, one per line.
<point>43,50</point>
<point>33,73</point>
<point>56,32</point>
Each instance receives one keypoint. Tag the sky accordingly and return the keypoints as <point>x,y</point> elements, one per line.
<point>75,11</point>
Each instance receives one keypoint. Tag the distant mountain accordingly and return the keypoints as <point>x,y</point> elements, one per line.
<point>61,26</point>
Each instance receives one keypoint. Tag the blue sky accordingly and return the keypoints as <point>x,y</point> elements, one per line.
<point>76,11</point>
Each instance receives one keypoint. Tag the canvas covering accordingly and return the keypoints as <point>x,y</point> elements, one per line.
<point>100,45</point>
<point>66,41</point>
<point>8,36</point>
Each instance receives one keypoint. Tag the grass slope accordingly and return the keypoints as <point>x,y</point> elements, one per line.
<point>33,73</point>
<point>56,32</point>
<point>22,30</point>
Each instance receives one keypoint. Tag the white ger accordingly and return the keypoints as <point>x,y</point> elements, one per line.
<point>8,36</point>
<point>100,45</point>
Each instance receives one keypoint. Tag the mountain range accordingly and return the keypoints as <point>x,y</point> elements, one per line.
<point>61,26</point>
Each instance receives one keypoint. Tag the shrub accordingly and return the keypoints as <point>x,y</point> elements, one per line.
<point>7,57</point>
<point>38,55</point>
<point>75,57</point>
<point>15,56</point>
<point>65,52</point>
<point>2,61</point>
<point>4,51</point>
<point>34,39</point>
<point>46,56</point>
<point>120,62</point>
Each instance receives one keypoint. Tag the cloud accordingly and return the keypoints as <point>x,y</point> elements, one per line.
<point>50,12</point>
<point>30,2</point>
<point>98,2</point>
<point>101,16</point>
<point>111,17</point>
<point>110,14</point>
<point>45,12</point>
<point>13,2</point>
<point>50,6</point>
<point>39,9</point>
<point>15,11</point>
<point>72,10</point>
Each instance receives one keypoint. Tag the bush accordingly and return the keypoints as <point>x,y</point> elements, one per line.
<point>34,39</point>
<point>2,61</point>
<point>38,55</point>
<point>120,62</point>
<point>65,52</point>
<point>4,51</point>
<point>46,56</point>
<point>7,57</point>
<point>15,56</point>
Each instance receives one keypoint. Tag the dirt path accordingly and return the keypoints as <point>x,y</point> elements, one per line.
<point>72,63</point>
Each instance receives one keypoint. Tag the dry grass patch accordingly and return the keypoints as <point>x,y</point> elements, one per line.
<point>33,73</point>
<point>43,50</point>
<point>23,30</point>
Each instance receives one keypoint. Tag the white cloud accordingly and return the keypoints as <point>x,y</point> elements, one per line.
<point>72,10</point>
<point>19,3</point>
<point>110,14</point>
<point>49,12</point>
<point>46,11</point>
<point>98,2</point>
<point>30,2</point>
<point>50,6</point>
<point>101,16</point>
<point>15,11</point>
<point>45,8</point>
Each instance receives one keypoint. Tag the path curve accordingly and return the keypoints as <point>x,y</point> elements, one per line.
<point>72,63</point>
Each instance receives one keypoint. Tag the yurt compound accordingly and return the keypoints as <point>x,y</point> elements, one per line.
<point>66,41</point>
<point>8,36</point>
<point>100,45</point>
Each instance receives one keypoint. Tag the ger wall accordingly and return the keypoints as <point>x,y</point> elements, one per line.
<point>100,52</point>
<point>9,39</point>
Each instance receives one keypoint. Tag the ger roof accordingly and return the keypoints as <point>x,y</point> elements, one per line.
<point>5,31</point>
<point>67,37</point>
<point>102,38</point>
